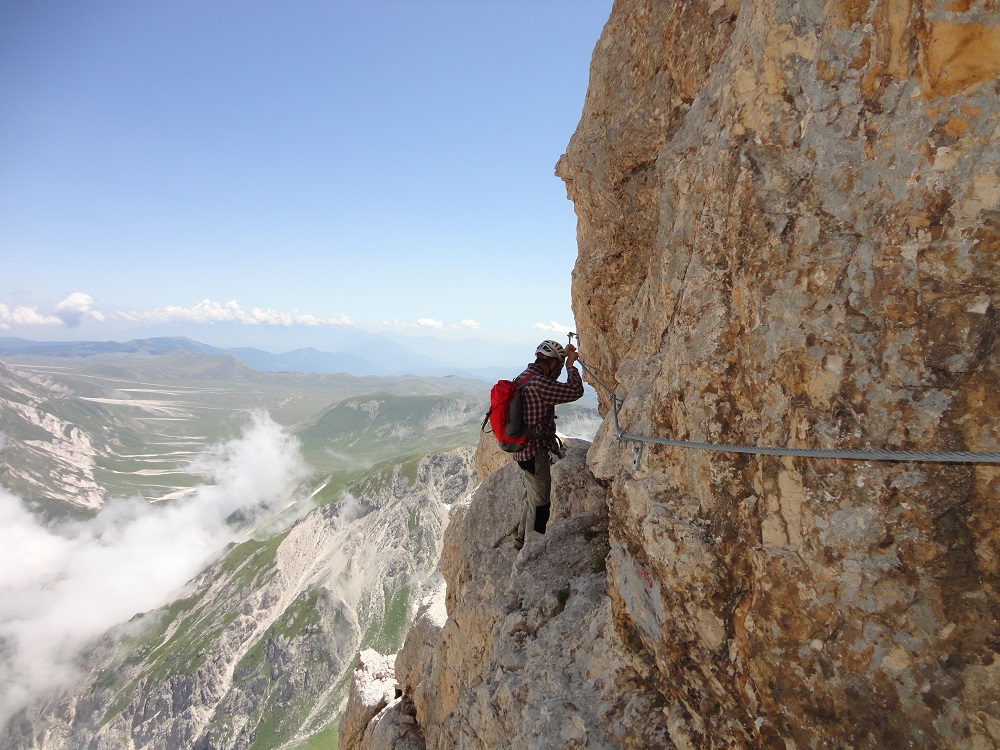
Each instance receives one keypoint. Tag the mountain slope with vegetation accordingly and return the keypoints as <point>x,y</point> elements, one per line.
<point>257,653</point>
<point>84,430</point>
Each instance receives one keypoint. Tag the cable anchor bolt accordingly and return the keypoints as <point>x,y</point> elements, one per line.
<point>636,454</point>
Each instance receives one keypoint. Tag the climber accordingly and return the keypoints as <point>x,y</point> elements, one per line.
<point>539,397</point>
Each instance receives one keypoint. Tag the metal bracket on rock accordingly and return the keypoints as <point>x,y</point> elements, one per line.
<point>636,454</point>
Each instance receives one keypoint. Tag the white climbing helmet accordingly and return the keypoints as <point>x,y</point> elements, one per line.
<point>552,349</point>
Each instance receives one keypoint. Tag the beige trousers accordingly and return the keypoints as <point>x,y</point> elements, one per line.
<point>538,491</point>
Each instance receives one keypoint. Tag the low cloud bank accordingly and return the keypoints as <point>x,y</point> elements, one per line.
<point>61,588</point>
<point>208,311</point>
<point>78,306</point>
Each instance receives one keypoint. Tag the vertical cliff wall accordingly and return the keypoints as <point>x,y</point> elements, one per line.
<point>797,205</point>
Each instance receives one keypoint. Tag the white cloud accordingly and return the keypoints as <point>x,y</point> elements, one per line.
<point>61,588</point>
<point>553,327</point>
<point>208,311</point>
<point>75,308</point>
<point>434,323</point>
<point>79,305</point>
<point>24,316</point>
<point>69,312</point>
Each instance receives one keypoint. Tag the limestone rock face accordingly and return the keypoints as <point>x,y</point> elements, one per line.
<point>373,687</point>
<point>490,457</point>
<point>799,206</point>
<point>394,728</point>
<point>376,718</point>
<point>526,654</point>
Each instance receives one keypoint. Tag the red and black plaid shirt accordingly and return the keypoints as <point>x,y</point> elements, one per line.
<point>538,399</point>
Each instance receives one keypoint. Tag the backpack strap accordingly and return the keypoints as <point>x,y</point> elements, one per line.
<point>518,389</point>
<point>521,385</point>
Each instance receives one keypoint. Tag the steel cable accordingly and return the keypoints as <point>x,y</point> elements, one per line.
<point>964,457</point>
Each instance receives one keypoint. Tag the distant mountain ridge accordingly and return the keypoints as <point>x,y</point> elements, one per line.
<point>363,355</point>
<point>75,431</point>
<point>298,360</point>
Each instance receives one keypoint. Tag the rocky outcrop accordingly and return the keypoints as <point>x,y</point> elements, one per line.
<point>522,651</point>
<point>378,716</point>
<point>490,457</point>
<point>799,206</point>
<point>373,687</point>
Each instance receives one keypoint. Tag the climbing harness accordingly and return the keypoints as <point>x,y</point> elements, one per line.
<point>963,457</point>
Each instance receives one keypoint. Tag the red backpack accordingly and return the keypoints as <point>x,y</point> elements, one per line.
<point>506,414</point>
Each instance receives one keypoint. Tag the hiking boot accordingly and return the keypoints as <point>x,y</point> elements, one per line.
<point>518,542</point>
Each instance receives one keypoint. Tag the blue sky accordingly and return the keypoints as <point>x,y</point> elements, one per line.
<point>267,174</point>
